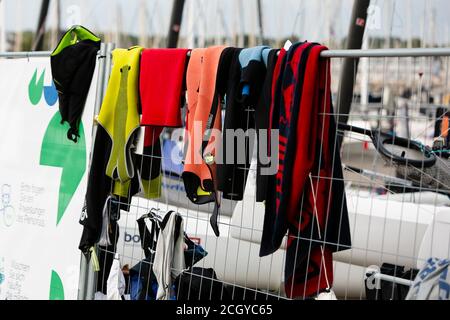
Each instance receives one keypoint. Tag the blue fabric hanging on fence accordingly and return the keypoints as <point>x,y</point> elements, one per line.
<point>169,166</point>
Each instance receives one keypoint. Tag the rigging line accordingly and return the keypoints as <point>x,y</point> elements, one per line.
<point>429,126</point>
<point>372,181</point>
<point>297,17</point>
<point>419,105</point>
<point>151,18</point>
<point>372,39</point>
<point>192,27</point>
<point>223,21</point>
<point>391,26</point>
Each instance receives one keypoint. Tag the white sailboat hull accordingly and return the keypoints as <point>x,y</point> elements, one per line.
<point>384,230</point>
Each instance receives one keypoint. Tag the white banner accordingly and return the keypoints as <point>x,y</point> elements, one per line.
<point>43,178</point>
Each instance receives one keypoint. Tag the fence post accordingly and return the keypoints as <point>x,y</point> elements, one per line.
<point>350,66</point>
<point>175,23</point>
<point>87,275</point>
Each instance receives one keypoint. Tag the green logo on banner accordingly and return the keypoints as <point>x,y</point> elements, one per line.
<point>58,151</point>
<point>56,287</point>
<point>35,88</point>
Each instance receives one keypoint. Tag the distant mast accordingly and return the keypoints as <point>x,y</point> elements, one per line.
<point>388,17</point>
<point>433,26</point>
<point>253,31</point>
<point>2,27</point>
<point>365,75</point>
<point>218,29</point>
<point>191,34</point>
<point>238,24</point>
<point>18,22</point>
<point>118,25</point>
<point>409,34</point>
<point>202,23</point>
<point>143,22</point>
<point>175,23</point>
<point>423,43</point>
<point>38,43</point>
<point>260,21</point>
<point>55,34</point>
<point>350,65</point>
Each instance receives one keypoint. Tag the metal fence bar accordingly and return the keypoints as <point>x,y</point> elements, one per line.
<point>87,274</point>
<point>374,53</point>
<point>386,53</point>
<point>104,71</point>
<point>25,54</point>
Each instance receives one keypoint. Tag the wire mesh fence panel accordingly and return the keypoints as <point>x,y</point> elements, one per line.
<point>394,156</point>
<point>391,208</point>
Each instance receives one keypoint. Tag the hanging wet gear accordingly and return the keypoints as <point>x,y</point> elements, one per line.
<point>307,194</point>
<point>204,114</point>
<point>73,64</point>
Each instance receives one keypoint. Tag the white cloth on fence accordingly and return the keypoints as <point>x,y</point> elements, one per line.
<point>326,295</point>
<point>100,296</point>
<point>104,236</point>
<point>432,282</point>
<point>115,286</point>
<point>169,257</point>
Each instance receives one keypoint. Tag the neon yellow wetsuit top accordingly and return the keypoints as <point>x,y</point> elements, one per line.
<point>119,116</point>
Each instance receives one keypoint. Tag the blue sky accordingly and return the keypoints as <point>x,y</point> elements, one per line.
<point>312,19</point>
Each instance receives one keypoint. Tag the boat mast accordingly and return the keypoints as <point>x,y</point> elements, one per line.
<point>202,23</point>
<point>156,21</point>
<point>241,37</point>
<point>350,65</point>
<point>143,18</point>
<point>2,26</point>
<point>56,30</point>
<point>38,43</point>
<point>237,24</point>
<point>253,30</point>
<point>192,30</point>
<point>218,31</point>
<point>388,17</point>
<point>118,25</point>
<point>260,21</point>
<point>328,20</point>
<point>18,22</point>
<point>433,26</point>
<point>409,41</point>
<point>423,43</point>
<point>175,23</point>
<point>225,31</point>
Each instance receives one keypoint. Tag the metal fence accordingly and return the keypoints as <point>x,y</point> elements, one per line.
<point>396,222</point>
<point>391,223</point>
